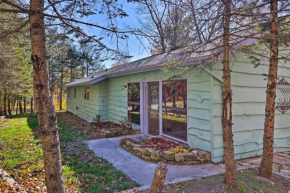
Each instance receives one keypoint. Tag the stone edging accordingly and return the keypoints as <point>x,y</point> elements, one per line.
<point>196,157</point>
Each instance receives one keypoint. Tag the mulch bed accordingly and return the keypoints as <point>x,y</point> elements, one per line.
<point>101,130</point>
<point>161,144</point>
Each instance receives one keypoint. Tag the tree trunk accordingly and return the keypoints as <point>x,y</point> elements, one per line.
<point>16,101</point>
<point>20,105</point>
<point>43,102</point>
<point>24,104</point>
<point>5,104</point>
<point>87,69</point>
<point>159,178</point>
<point>230,173</point>
<point>1,104</point>
<point>61,83</point>
<point>60,99</point>
<point>9,105</point>
<point>31,105</point>
<point>267,158</point>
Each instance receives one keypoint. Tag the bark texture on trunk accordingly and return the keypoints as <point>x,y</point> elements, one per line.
<point>5,104</point>
<point>60,98</point>
<point>267,158</point>
<point>9,105</point>
<point>16,101</point>
<point>20,105</point>
<point>229,156</point>
<point>43,102</point>
<point>24,104</point>
<point>31,105</point>
<point>159,178</point>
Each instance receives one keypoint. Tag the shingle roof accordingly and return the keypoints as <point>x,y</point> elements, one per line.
<point>184,56</point>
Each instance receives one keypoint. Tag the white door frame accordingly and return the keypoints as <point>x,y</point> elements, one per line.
<point>144,105</point>
<point>144,108</point>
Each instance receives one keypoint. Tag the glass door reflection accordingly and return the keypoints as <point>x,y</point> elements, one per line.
<point>153,108</point>
<point>174,108</point>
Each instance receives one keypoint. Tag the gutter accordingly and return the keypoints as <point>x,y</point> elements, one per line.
<point>77,84</point>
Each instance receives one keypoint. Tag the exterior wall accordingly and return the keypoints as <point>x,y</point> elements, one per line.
<point>88,109</point>
<point>249,96</point>
<point>199,102</point>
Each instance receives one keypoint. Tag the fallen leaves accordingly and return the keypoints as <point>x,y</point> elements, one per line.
<point>96,130</point>
<point>161,144</point>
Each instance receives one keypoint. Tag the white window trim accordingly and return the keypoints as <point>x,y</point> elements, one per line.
<point>144,111</point>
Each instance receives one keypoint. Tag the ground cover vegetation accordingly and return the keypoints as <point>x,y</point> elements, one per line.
<point>21,155</point>
<point>164,27</point>
<point>247,180</point>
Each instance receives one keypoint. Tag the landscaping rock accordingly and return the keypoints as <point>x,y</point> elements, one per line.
<point>190,157</point>
<point>155,157</point>
<point>149,152</point>
<point>191,162</point>
<point>143,151</point>
<point>179,163</point>
<point>139,154</point>
<point>179,157</point>
<point>130,146</point>
<point>126,142</point>
<point>171,162</point>
<point>146,158</point>
<point>204,155</point>
<point>168,155</point>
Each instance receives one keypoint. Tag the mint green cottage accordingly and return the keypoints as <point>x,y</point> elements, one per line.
<point>184,104</point>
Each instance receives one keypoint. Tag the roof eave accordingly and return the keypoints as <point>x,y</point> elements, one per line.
<point>77,84</point>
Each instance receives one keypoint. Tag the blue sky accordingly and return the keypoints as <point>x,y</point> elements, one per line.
<point>134,46</point>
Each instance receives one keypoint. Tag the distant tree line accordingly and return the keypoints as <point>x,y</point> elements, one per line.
<point>68,61</point>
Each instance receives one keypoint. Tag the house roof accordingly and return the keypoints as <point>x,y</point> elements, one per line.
<point>193,55</point>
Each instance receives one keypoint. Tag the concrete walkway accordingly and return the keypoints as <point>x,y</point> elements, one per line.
<point>142,172</point>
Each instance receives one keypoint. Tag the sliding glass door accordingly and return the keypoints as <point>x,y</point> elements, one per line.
<point>174,109</point>
<point>153,108</point>
<point>163,108</point>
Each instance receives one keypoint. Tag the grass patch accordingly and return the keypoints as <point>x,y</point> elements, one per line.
<point>248,181</point>
<point>21,155</point>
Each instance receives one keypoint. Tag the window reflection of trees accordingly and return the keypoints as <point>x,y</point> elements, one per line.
<point>174,108</point>
<point>134,103</point>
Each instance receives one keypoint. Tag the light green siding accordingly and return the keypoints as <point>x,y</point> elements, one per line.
<point>249,96</point>
<point>199,100</point>
<point>108,98</point>
<point>88,109</point>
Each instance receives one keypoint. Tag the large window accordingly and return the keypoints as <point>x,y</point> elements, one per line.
<point>134,103</point>
<point>174,108</point>
<point>87,93</point>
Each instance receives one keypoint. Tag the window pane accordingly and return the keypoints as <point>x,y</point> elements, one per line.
<point>134,92</point>
<point>174,108</point>
<point>175,93</point>
<point>134,103</point>
<point>134,113</point>
<point>174,123</point>
<point>154,96</point>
